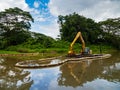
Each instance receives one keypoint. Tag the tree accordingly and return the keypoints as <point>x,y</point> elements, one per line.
<point>44,40</point>
<point>13,22</point>
<point>111,31</point>
<point>111,26</point>
<point>39,41</point>
<point>73,23</point>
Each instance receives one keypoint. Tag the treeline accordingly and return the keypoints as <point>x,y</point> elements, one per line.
<point>104,32</point>
<point>15,35</point>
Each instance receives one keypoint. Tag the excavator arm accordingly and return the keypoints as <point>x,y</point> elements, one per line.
<point>79,35</point>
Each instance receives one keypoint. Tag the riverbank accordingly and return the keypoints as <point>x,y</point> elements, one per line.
<point>28,56</point>
<point>20,54</point>
<point>36,54</point>
<point>46,54</point>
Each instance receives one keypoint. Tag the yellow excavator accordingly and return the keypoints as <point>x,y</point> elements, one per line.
<point>84,51</point>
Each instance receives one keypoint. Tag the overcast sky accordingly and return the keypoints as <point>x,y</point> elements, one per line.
<point>45,12</point>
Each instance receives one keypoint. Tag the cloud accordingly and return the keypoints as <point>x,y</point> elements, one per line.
<point>45,17</point>
<point>5,4</point>
<point>95,9</point>
<point>50,29</point>
<point>44,22</point>
<point>36,4</point>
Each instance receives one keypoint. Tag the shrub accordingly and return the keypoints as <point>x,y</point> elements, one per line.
<point>25,50</point>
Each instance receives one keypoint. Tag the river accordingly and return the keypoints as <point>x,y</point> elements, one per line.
<point>87,75</point>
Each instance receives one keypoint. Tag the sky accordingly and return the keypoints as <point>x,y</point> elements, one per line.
<point>45,12</point>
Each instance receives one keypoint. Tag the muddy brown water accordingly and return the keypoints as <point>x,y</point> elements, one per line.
<point>86,75</point>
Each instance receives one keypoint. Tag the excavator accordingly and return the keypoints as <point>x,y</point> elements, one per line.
<point>85,50</point>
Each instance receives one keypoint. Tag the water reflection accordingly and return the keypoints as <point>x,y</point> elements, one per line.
<point>87,75</point>
<point>43,77</point>
<point>73,74</point>
<point>12,78</point>
<point>97,72</point>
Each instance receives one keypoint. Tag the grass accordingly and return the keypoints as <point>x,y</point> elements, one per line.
<point>101,48</point>
<point>8,52</point>
<point>54,52</point>
<point>36,57</point>
<point>43,53</point>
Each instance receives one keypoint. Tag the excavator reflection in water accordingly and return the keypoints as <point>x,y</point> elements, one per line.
<point>74,74</point>
<point>85,50</point>
<point>84,66</point>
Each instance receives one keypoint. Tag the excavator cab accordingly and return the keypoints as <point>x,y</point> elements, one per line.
<point>85,50</point>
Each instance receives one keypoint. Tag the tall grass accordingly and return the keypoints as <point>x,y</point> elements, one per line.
<point>8,52</point>
<point>56,47</point>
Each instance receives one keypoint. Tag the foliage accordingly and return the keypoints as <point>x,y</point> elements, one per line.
<point>111,32</point>
<point>8,52</point>
<point>61,44</point>
<point>105,32</point>
<point>14,24</point>
<point>34,43</point>
<point>46,41</point>
<point>111,26</point>
<point>16,37</point>
<point>38,41</point>
<point>73,23</point>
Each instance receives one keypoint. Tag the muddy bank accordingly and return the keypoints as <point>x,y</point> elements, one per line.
<point>20,54</point>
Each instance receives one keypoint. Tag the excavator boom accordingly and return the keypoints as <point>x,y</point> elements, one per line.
<point>79,35</point>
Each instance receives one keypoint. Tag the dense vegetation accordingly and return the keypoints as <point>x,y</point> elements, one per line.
<point>15,35</point>
<point>14,26</point>
<point>73,23</point>
<point>105,32</point>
